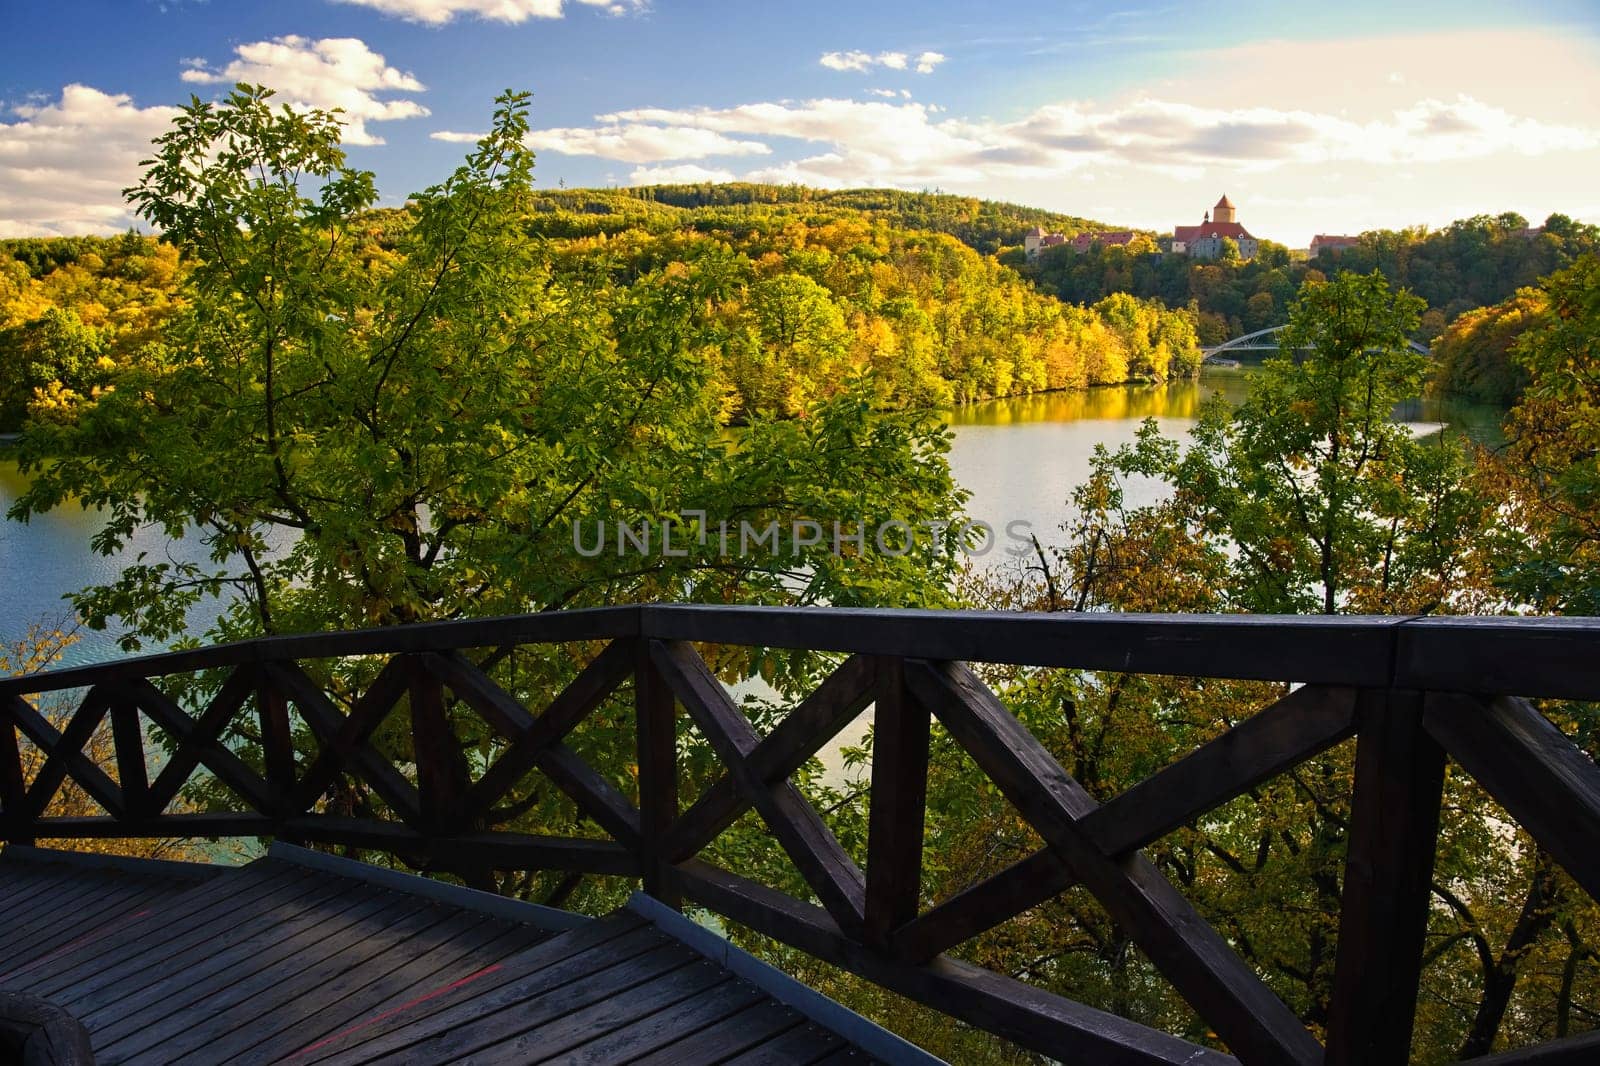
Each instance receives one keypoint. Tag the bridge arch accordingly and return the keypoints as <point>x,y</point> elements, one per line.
<point>1260,341</point>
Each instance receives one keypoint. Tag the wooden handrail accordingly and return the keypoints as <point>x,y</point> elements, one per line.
<point>1410,690</point>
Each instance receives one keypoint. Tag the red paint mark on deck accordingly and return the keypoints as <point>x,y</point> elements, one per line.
<point>402,1008</point>
<point>79,942</point>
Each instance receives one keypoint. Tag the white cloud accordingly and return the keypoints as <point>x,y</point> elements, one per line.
<point>682,174</point>
<point>456,136</point>
<point>439,12</point>
<point>1157,132</point>
<point>862,62</point>
<point>335,72</point>
<point>891,94</point>
<point>64,164</point>
<point>640,143</point>
<point>910,144</point>
<point>847,60</point>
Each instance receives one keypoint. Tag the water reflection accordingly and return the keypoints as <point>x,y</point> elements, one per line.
<point>1115,403</point>
<point>43,560</point>
<point>1019,458</point>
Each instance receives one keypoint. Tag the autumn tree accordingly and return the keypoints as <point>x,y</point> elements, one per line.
<point>379,420</point>
<point>1553,547</point>
<point>41,648</point>
<point>365,439</point>
<point>1305,498</point>
<point>1474,352</point>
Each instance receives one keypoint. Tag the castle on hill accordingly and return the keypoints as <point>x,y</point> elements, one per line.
<point>1205,240</point>
<point>1036,239</point>
<point>1199,242</point>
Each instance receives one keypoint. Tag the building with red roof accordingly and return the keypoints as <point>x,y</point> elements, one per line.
<point>1036,240</point>
<point>1205,240</point>
<point>1332,242</point>
<point>1083,241</point>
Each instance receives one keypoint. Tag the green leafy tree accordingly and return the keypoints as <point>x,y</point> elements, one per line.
<point>385,418</point>
<point>1305,498</point>
<point>1321,501</point>
<point>366,438</point>
<point>1551,466</point>
<point>50,359</point>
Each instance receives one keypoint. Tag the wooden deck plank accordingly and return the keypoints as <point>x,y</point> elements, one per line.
<point>117,958</point>
<point>23,917</point>
<point>22,883</point>
<point>845,1056</point>
<point>73,940</point>
<point>802,1044</point>
<point>94,915</point>
<point>465,960</point>
<point>341,995</point>
<point>110,895</point>
<point>538,973</point>
<point>182,979</point>
<point>278,961</point>
<point>402,1028</point>
<point>250,990</point>
<point>77,969</point>
<point>607,1001</point>
<point>544,997</point>
<point>242,971</point>
<point>751,1027</point>
<point>708,1028</point>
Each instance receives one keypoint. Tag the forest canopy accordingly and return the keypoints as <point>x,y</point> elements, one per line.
<point>800,293</point>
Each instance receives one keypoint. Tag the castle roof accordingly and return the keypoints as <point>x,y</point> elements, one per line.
<point>1224,202</point>
<point>1106,237</point>
<point>1211,229</point>
<point>1034,232</point>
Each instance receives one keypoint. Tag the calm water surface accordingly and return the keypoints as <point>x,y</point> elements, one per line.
<point>1019,459</point>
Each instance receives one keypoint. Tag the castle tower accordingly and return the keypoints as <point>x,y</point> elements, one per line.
<point>1224,211</point>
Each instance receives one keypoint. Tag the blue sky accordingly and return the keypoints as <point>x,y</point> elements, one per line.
<point>1348,117</point>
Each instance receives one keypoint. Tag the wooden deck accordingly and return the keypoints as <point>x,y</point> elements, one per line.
<point>305,959</point>
<point>1419,697</point>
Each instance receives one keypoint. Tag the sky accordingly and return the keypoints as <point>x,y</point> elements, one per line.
<point>1336,118</point>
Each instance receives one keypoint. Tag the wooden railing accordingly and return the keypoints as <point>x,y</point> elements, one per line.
<point>1413,691</point>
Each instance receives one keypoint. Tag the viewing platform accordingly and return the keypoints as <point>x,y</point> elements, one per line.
<point>152,960</point>
<point>305,958</point>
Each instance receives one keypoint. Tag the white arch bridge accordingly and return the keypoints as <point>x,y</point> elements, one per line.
<point>1264,340</point>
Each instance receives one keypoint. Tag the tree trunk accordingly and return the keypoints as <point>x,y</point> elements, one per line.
<point>1538,911</point>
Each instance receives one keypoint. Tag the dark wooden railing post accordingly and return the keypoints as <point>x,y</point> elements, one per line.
<point>898,805</point>
<point>128,739</point>
<point>277,743</point>
<point>655,718</point>
<point>1383,922</point>
<point>13,786</point>
<point>441,768</point>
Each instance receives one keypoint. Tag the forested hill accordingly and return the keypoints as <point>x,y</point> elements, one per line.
<point>987,226</point>
<point>801,290</point>
<point>1471,263</point>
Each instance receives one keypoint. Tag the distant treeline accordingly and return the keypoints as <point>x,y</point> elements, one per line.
<point>801,291</point>
<point>71,310</point>
<point>807,293</point>
<point>1468,264</point>
<point>806,286</point>
<point>987,226</point>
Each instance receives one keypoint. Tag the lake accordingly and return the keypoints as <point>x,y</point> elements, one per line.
<point>1019,458</point>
